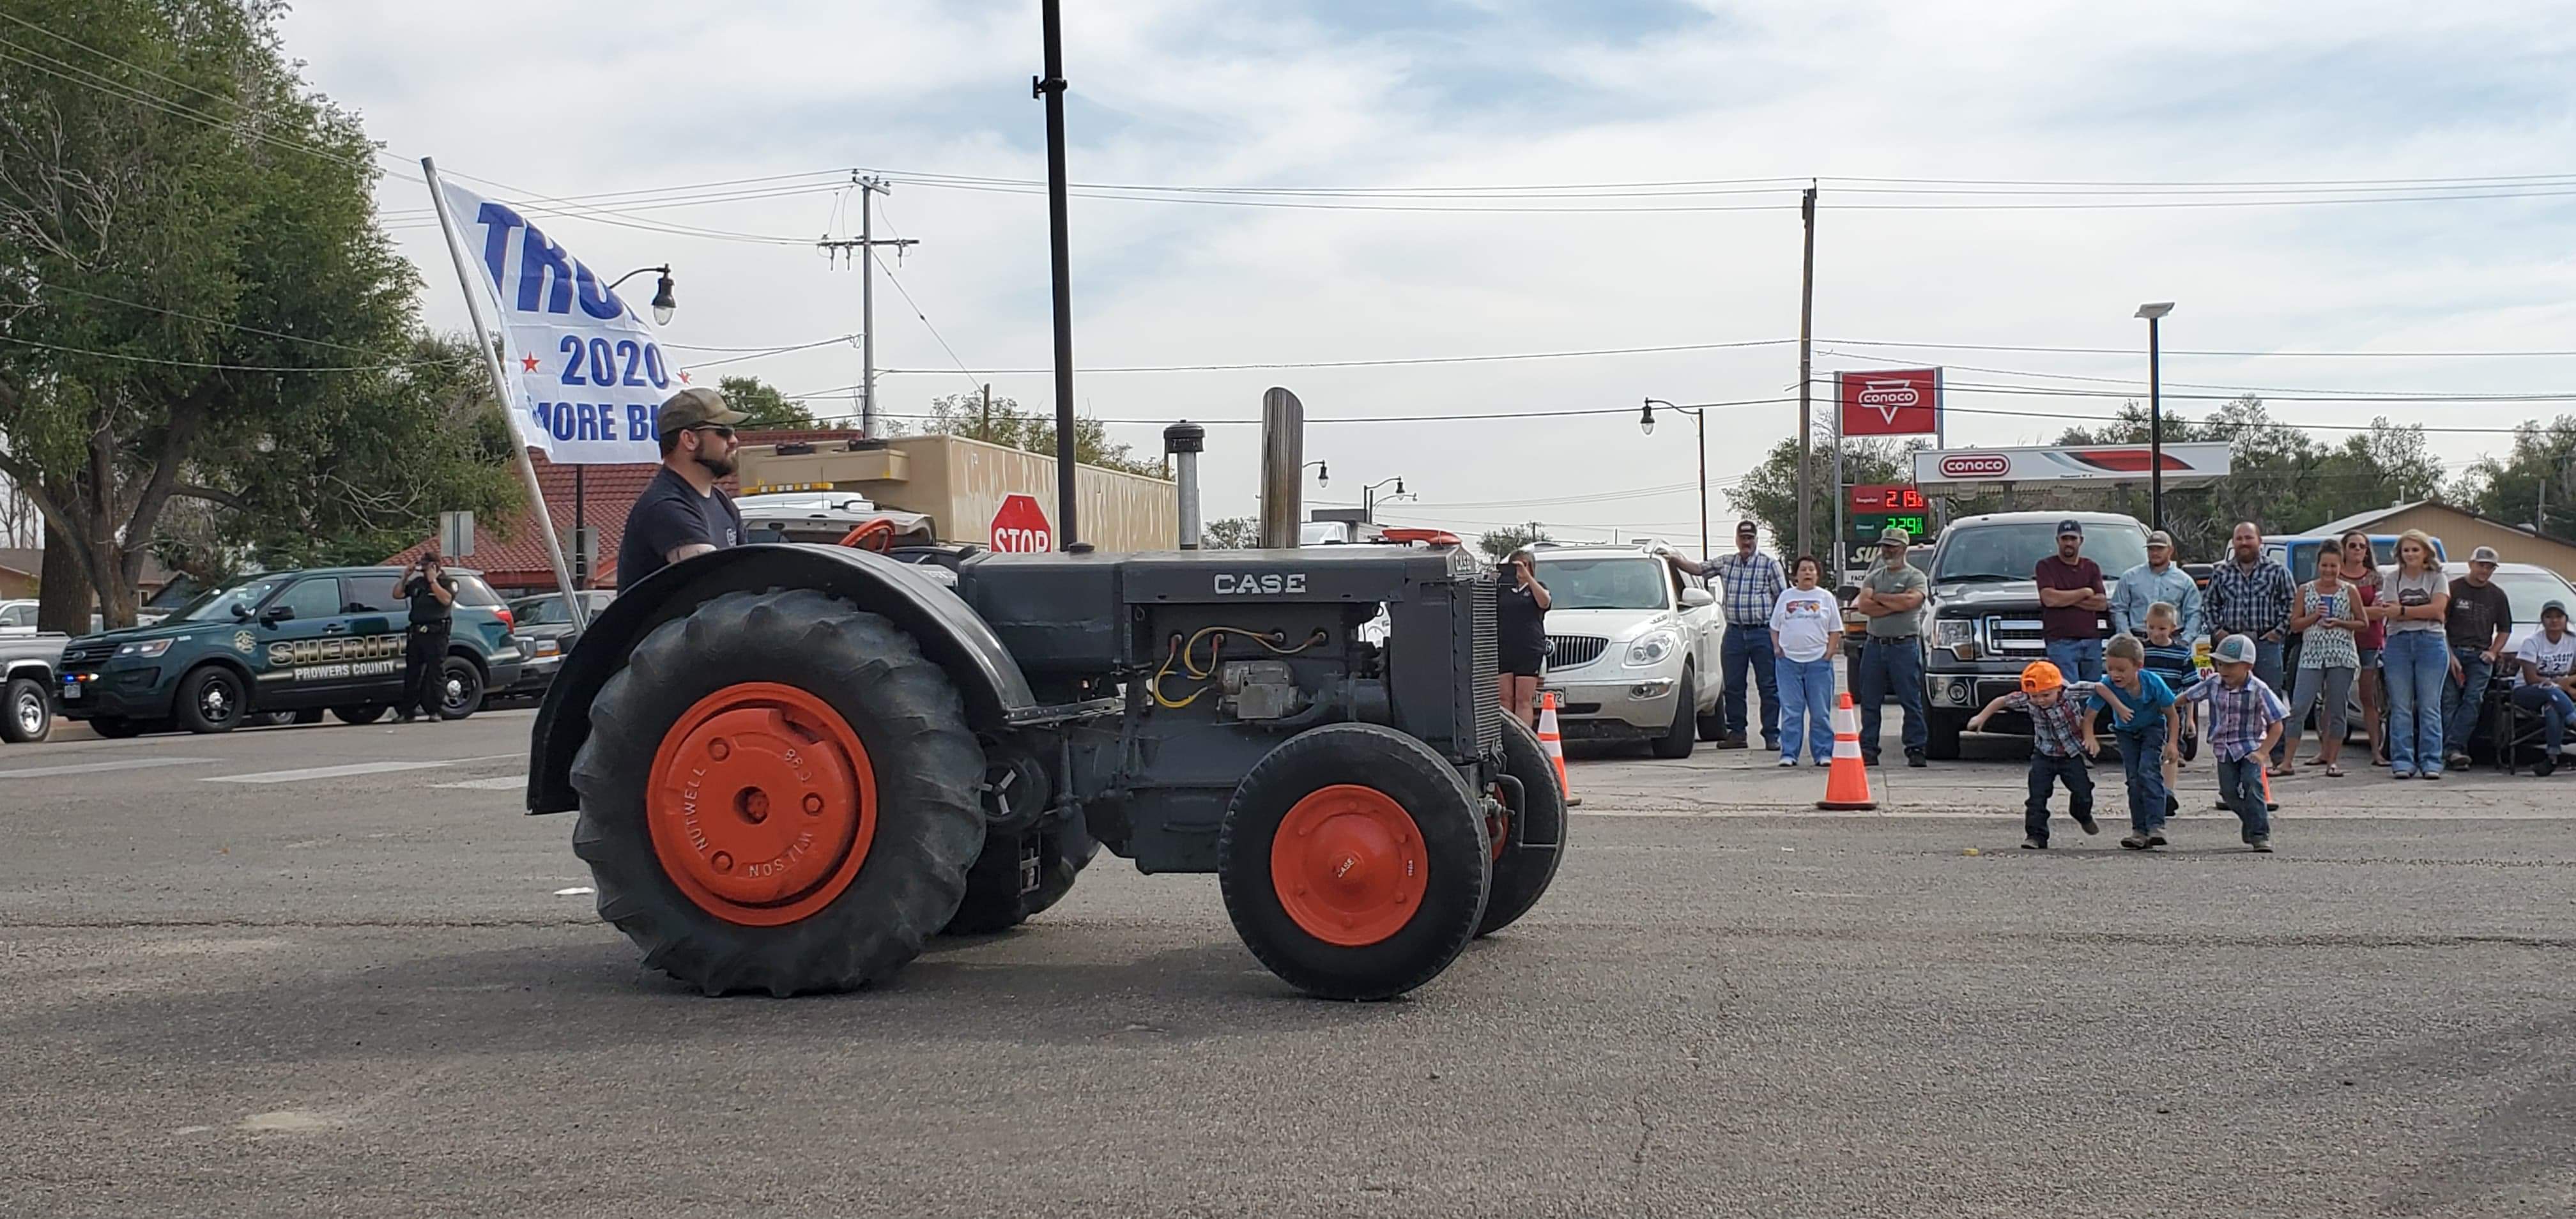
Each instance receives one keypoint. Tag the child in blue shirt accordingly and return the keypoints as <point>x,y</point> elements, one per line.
<point>2147,725</point>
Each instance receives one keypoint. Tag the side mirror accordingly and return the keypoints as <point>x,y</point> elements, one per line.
<point>1693,598</point>
<point>277,614</point>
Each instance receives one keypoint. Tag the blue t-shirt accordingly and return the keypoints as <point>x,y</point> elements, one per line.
<point>2146,706</point>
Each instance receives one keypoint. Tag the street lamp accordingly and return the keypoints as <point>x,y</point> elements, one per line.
<point>1368,497</point>
<point>1646,424</point>
<point>2154,312</point>
<point>663,303</point>
<point>1323,473</point>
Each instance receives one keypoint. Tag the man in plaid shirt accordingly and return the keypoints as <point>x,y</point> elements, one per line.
<point>1752,583</point>
<point>2252,596</point>
<point>2244,724</point>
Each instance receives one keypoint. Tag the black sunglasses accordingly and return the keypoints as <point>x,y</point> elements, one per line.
<point>721,429</point>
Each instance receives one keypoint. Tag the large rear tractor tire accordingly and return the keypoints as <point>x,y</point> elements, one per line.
<point>1354,862</point>
<point>1528,842</point>
<point>778,794</point>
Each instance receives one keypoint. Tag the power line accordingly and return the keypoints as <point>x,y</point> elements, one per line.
<point>135,359</point>
<point>275,334</point>
<point>764,353</point>
<point>2131,351</point>
<point>2362,395</point>
<point>1379,363</point>
<point>925,322</point>
<point>1629,411</point>
<point>124,92</point>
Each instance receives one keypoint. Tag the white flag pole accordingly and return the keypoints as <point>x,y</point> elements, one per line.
<point>507,401</point>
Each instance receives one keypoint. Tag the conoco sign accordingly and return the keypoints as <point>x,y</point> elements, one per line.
<point>2193,464</point>
<point>1975,465</point>
<point>1901,402</point>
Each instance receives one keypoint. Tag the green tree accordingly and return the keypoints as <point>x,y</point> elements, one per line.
<point>2533,483</point>
<point>1007,425</point>
<point>192,282</point>
<point>1231,533</point>
<point>768,410</point>
<point>1498,544</point>
<point>1769,491</point>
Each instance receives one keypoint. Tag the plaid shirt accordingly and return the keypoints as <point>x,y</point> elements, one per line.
<point>2250,600</point>
<point>1753,586</point>
<point>2238,717</point>
<point>2056,731</point>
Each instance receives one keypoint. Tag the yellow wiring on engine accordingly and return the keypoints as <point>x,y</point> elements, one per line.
<point>1181,651</point>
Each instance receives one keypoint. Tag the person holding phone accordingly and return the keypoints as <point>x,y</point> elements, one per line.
<point>1520,622</point>
<point>432,593</point>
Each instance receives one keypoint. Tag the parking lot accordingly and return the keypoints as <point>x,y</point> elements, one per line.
<point>334,970</point>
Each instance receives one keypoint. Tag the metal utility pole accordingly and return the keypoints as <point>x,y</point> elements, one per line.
<point>986,434</point>
<point>1646,424</point>
<point>865,251</point>
<point>2155,312</point>
<point>1806,375</point>
<point>1051,87</point>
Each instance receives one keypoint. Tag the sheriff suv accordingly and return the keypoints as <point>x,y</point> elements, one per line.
<point>1984,609</point>
<point>1632,647</point>
<point>284,645</point>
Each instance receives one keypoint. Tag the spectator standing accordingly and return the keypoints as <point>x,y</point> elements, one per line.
<point>2548,686</point>
<point>2244,722</point>
<point>2157,579</point>
<point>1520,636</point>
<point>2479,621</point>
<point>2328,618</point>
<point>2361,571</point>
<point>2061,737</point>
<point>2417,658</point>
<point>1891,656</point>
<point>432,593</point>
<point>2072,599</point>
<point>2252,596</point>
<point>1804,624</point>
<point>1752,582</point>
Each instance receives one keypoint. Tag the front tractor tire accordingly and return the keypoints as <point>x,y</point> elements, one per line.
<point>1528,841</point>
<point>1354,862</point>
<point>778,794</point>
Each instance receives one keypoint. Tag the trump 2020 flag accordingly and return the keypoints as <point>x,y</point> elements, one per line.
<point>584,370</point>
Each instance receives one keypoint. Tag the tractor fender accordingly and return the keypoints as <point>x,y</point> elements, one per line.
<point>948,631</point>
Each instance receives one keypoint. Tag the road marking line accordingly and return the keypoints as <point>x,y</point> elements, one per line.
<point>324,772</point>
<point>494,784</point>
<point>91,768</point>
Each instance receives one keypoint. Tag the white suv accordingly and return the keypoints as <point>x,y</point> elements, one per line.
<point>1632,647</point>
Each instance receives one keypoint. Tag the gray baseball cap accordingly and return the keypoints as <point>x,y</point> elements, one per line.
<point>2234,650</point>
<point>2485,554</point>
<point>1895,535</point>
<point>696,406</point>
<point>2160,538</point>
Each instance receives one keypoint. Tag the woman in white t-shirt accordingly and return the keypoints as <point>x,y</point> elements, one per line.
<point>1803,624</point>
<point>2418,656</point>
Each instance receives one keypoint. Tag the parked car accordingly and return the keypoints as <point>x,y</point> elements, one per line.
<point>546,635</point>
<point>1985,609</point>
<point>17,619</point>
<point>28,664</point>
<point>293,641</point>
<point>2298,552</point>
<point>1633,648</point>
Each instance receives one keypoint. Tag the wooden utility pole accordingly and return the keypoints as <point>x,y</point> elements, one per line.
<point>1806,378</point>
<point>864,249</point>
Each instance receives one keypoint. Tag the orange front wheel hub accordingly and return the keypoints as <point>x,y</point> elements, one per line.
<point>1348,865</point>
<point>762,804</point>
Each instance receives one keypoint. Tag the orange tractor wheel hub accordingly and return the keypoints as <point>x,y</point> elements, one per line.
<point>763,804</point>
<point>1349,865</point>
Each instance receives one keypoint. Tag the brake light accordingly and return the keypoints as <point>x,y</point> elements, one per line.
<point>509,621</point>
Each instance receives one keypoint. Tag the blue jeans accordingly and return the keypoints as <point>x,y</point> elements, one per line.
<point>2463,700</point>
<point>1885,663</point>
<point>2241,782</point>
<point>2418,665</point>
<point>1807,693</point>
<point>1749,648</point>
<point>2555,708</point>
<point>2078,659</point>
<point>2045,771</point>
<point>2142,764</point>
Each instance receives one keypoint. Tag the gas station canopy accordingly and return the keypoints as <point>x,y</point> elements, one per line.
<point>1965,471</point>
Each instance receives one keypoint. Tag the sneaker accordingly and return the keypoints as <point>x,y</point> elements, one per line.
<point>1732,742</point>
<point>2172,806</point>
<point>2456,758</point>
<point>2156,837</point>
<point>2432,774</point>
<point>1788,761</point>
<point>2136,842</point>
<point>1869,759</point>
<point>1914,758</point>
<point>2223,806</point>
<point>2544,767</point>
<point>2260,844</point>
<point>2400,772</point>
<point>2190,748</point>
<point>2034,844</point>
<point>2085,820</point>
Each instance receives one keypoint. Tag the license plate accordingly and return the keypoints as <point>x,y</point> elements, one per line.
<point>71,691</point>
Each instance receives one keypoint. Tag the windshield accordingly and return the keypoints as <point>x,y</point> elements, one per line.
<point>551,611</point>
<point>2303,558</point>
<point>1632,584</point>
<point>221,604</point>
<point>2012,552</point>
<point>2529,590</point>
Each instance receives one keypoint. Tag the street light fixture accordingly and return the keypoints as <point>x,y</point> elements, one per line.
<point>1646,424</point>
<point>1323,473</point>
<point>1368,497</point>
<point>2154,312</point>
<point>663,302</point>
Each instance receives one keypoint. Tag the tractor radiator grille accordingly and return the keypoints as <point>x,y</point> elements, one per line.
<point>1487,697</point>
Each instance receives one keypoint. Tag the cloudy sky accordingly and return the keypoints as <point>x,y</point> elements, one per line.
<point>1434,106</point>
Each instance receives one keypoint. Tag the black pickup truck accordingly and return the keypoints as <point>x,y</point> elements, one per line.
<point>1985,609</point>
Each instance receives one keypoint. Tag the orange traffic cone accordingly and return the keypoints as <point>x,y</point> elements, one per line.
<point>1847,785</point>
<point>1554,745</point>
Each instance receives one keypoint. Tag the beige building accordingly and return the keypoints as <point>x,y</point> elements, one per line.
<point>2463,531</point>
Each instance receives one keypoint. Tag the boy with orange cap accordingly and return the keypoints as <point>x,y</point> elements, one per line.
<point>2061,737</point>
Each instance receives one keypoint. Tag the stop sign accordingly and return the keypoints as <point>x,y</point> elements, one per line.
<point>1020,527</point>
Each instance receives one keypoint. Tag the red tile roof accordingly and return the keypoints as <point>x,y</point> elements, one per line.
<point>607,492</point>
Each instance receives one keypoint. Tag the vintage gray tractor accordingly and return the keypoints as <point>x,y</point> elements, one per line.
<point>795,763</point>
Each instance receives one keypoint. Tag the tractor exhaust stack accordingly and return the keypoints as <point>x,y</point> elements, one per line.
<point>1283,464</point>
<point>1182,442</point>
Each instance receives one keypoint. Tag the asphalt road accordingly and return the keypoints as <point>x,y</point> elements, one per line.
<point>333,970</point>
